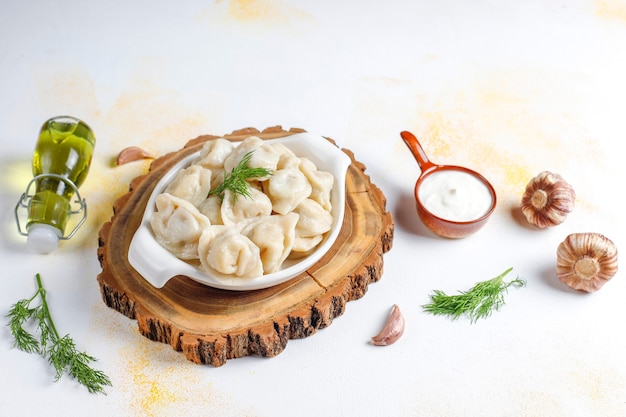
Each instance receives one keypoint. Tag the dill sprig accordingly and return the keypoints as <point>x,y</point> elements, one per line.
<point>478,302</point>
<point>60,352</point>
<point>237,180</point>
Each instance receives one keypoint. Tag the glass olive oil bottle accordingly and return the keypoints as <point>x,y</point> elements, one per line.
<point>61,162</point>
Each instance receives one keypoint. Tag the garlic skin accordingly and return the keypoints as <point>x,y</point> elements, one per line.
<point>547,200</point>
<point>586,261</point>
<point>392,330</point>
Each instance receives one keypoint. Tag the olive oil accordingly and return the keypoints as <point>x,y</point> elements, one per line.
<point>61,162</point>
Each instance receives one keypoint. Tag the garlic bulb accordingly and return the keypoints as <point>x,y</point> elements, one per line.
<point>548,200</point>
<point>586,261</point>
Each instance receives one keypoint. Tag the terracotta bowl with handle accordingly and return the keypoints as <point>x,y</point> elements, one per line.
<point>439,225</point>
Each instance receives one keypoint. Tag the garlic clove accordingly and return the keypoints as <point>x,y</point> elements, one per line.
<point>132,153</point>
<point>547,200</point>
<point>392,330</point>
<point>586,261</point>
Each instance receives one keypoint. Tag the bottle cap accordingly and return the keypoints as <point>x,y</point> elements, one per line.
<point>43,238</point>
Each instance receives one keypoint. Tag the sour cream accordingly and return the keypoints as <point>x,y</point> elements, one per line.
<point>455,195</point>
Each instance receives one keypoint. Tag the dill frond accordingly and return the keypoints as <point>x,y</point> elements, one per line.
<point>60,352</point>
<point>477,303</point>
<point>237,180</point>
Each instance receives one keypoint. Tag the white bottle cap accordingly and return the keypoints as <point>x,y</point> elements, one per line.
<point>43,238</point>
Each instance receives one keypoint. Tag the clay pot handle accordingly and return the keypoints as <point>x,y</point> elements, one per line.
<point>417,150</point>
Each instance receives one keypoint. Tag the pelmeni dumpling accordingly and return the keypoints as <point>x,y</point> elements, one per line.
<point>192,184</point>
<point>256,184</point>
<point>313,219</point>
<point>303,245</point>
<point>286,189</point>
<point>286,159</point>
<point>224,252</point>
<point>274,235</point>
<point>321,182</point>
<point>263,156</point>
<point>214,153</point>
<point>211,207</point>
<point>177,225</point>
<point>217,178</point>
<point>244,209</point>
<point>313,222</point>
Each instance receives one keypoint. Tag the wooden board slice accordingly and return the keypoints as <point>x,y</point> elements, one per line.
<point>211,325</point>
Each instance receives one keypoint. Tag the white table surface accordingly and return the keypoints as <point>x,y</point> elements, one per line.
<point>508,88</point>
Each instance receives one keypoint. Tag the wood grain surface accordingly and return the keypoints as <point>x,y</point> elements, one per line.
<point>210,326</point>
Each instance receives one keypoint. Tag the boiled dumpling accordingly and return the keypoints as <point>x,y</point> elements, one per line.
<point>225,252</point>
<point>211,207</point>
<point>256,184</point>
<point>244,209</point>
<point>214,153</point>
<point>217,178</point>
<point>286,189</point>
<point>263,156</point>
<point>313,222</point>
<point>286,159</point>
<point>303,245</point>
<point>192,184</point>
<point>321,182</point>
<point>274,235</point>
<point>177,225</point>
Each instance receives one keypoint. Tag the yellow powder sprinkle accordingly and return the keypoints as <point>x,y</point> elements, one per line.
<point>256,14</point>
<point>611,9</point>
